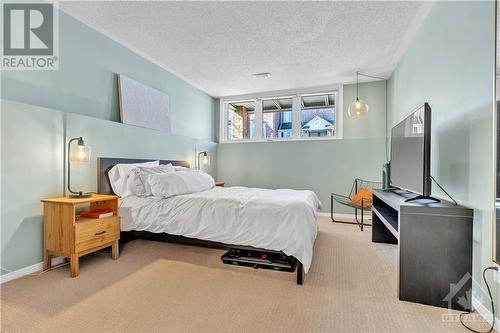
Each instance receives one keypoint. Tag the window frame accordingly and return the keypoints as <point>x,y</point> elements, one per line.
<point>224,117</point>
<point>274,98</point>
<point>296,114</point>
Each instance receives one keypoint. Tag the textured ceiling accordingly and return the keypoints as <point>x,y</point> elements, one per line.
<point>216,46</point>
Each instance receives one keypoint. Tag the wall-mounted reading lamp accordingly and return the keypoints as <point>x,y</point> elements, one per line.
<point>205,160</point>
<point>78,154</point>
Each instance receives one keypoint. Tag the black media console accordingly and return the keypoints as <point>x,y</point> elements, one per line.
<point>434,247</point>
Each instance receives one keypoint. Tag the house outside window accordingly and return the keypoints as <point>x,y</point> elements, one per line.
<point>317,115</point>
<point>276,113</point>
<point>241,120</point>
<point>294,117</point>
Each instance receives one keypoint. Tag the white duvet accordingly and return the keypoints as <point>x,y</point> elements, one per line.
<point>280,220</point>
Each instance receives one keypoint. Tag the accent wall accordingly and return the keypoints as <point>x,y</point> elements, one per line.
<point>42,109</point>
<point>323,166</point>
<point>450,64</point>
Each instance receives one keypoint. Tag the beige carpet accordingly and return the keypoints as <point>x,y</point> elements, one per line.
<point>155,286</point>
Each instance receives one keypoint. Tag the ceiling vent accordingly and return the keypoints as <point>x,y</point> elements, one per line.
<point>262,75</point>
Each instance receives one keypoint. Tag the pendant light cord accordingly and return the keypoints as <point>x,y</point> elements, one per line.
<point>371,76</point>
<point>357,85</point>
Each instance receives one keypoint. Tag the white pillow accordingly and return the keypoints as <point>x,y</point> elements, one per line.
<point>118,176</point>
<point>138,178</point>
<point>181,168</point>
<point>181,182</point>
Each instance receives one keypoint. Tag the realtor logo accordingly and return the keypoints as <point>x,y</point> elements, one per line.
<point>28,29</point>
<point>29,36</point>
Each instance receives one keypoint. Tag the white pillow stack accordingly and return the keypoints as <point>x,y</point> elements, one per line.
<point>118,176</point>
<point>151,179</point>
<point>138,178</point>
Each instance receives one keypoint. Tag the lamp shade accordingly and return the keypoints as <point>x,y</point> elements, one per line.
<point>206,160</point>
<point>203,159</point>
<point>79,153</point>
<point>357,109</point>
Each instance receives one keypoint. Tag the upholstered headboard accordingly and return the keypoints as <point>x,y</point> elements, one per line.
<point>104,164</point>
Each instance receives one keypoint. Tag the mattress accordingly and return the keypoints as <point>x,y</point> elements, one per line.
<point>280,220</point>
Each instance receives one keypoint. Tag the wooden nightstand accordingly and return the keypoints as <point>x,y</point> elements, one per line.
<point>68,236</point>
<point>220,183</point>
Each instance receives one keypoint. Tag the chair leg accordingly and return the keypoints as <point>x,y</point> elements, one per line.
<point>357,222</point>
<point>331,208</point>
<point>333,214</point>
<point>340,221</point>
<point>362,215</point>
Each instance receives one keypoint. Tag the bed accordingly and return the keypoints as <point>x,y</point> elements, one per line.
<point>280,221</point>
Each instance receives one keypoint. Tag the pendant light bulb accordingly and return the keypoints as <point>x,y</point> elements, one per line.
<point>357,108</point>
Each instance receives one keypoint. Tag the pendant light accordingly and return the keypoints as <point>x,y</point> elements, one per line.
<point>357,108</point>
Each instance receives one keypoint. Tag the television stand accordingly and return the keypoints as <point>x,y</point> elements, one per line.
<point>422,197</point>
<point>434,246</point>
<point>390,189</point>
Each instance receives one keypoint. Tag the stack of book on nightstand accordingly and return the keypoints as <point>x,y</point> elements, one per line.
<point>97,214</point>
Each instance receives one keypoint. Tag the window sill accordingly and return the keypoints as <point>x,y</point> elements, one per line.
<point>281,140</point>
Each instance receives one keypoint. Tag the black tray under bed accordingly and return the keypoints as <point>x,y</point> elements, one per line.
<point>259,259</point>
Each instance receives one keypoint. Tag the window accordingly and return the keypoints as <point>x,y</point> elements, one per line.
<point>240,120</point>
<point>277,118</point>
<point>317,115</point>
<point>292,117</point>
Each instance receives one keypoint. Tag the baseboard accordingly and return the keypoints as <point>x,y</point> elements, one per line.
<point>484,312</point>
<point>345,216</point>
<point>28,270</point>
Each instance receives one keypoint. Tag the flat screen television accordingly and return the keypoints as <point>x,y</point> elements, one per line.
<point>411,152</point>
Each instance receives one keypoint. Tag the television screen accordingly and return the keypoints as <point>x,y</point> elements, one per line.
<point>410,152</point>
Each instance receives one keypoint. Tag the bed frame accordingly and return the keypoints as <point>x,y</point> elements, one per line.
<point>104,164</point>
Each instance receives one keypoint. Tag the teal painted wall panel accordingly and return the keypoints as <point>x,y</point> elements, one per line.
<point>86,82</point>
<point>31,169</point>
<point>320,166</point>
<point>33,165</point>
<point>373,124</point>
<point>40,109</point>
<point>450,64</point>
<point>323,166</point>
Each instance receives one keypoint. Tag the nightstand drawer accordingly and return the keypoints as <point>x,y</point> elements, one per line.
<point>90,233</point>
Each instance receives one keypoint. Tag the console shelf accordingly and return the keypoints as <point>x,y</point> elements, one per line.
<point>434,246</point>
<point>389,218</point>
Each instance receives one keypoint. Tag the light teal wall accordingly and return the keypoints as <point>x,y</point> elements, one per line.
<point>32,166</point>
<point>41,109</point>
<point>86,82</point>
<point>322,166</point>
<point>450,64</point>
<point>373,124</point>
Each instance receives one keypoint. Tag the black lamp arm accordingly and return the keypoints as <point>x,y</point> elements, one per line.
<point>69,166</point>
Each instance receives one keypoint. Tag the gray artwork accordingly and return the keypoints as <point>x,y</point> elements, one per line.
<point>143,106</point>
